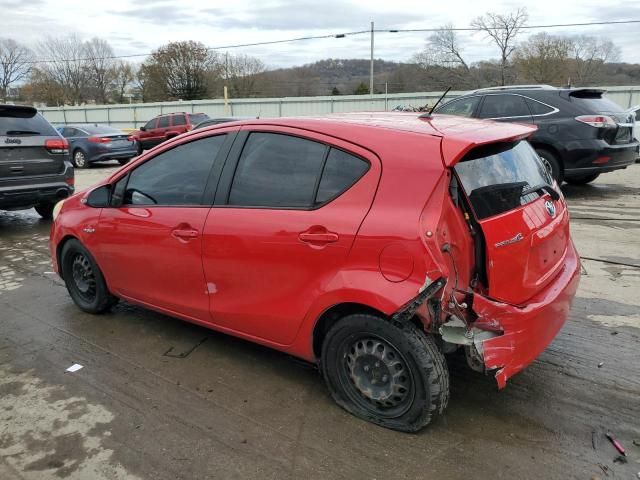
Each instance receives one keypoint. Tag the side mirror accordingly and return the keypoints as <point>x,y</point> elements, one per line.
<point>143,129</point>
<point>99,198</point>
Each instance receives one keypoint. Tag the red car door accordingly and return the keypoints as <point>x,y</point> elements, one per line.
<point>147,134</point>
<point>288,220</point>
<point>151,239</point>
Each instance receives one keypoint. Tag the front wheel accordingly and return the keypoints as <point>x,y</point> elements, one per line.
<point>84,279</point>
<point>391,375</point>
<point>582,180</point>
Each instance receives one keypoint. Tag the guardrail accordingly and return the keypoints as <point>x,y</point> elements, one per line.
<point>127,116</point>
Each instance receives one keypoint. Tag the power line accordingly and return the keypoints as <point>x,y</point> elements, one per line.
<point>343,35</point>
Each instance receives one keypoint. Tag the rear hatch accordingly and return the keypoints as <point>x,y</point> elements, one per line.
<point>523,218</point>
<point>593,102</point>
<point>29,145</point>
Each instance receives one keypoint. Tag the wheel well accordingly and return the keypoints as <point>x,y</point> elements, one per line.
<point>550,149</point>
<point>333,315</point>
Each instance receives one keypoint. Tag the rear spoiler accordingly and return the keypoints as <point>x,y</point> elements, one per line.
<point>17,111</point>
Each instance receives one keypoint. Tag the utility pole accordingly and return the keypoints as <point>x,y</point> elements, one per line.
<point>371,69</point>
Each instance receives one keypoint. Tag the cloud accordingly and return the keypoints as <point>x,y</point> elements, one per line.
<point>159,13</point>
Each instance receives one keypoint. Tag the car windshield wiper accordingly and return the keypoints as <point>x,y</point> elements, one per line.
<point>545,187</point>
<point>21,132</point>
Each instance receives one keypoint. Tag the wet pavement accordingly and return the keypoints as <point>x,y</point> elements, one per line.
<point>163,399</point>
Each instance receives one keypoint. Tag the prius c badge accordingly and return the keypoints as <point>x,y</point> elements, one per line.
<point>509,241</point>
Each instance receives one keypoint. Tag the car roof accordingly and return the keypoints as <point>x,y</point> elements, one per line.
<point>371,129</point>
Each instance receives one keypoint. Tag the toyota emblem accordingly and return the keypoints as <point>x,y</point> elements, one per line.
<point>550,207</point>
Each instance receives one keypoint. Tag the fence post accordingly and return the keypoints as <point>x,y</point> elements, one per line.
<point>64,115</point>
<point>135,117</point>
<point>85,115</point>
<point>108,116</point>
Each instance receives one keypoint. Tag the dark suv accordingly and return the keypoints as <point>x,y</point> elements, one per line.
<point>580,133</point>
<point>164,127</point>
<point>34,162</point>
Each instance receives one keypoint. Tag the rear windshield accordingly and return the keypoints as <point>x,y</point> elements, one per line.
<point>99,129</point>
<point>501,177</point>
<point>196,118</point>
<point>17,126</point>
<point>595,101</point>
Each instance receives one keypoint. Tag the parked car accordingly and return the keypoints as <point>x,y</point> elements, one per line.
<point>91,143</point>
<point>580,135</point>
<point>34,162</point>
<point>164,127</point>
<point>218,120</point>
<point>369,244</point>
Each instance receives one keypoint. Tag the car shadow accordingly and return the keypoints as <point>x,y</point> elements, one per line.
<point>602,191</point>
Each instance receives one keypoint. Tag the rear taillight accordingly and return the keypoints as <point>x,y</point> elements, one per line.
<point>601,160</point>
<point>57,145</point>
<point>71,181</point>
<point>598,121</point>
<point>99,139</point>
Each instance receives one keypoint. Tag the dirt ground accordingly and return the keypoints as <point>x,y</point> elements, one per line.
<point>162,399</point>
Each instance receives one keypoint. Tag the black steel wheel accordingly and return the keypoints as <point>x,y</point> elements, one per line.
<point>391,375</point>
<point>83,279</point>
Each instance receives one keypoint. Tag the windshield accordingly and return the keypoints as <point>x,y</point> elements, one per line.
<point>196,118</point>
<point>501,177</point>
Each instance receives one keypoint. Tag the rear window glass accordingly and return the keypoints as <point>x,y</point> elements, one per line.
<point>496,178</point>
<point>100,129</point>
<point>35,125</point>
<point>595,101</point>
<point>196,118</point>
<point>340,172</point>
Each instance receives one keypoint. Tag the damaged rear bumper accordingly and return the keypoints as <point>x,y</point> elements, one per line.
<point>527,330</point>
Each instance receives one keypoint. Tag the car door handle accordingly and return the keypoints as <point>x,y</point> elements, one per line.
<point>184,233</point>
<point>324,237</point>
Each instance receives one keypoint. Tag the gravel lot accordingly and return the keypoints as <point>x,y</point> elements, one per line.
<point>231,409</point>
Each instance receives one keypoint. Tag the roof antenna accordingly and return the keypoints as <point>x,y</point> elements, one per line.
<point>428,115</point>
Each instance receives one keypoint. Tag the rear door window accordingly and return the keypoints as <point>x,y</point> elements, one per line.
<point>174,177</point>
<point>504,106</point>
<point>501,177</point>
<point>178,120</point>
<point>277,170</point>
<point>463,107</point>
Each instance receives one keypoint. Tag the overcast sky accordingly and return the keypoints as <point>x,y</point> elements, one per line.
<point>140,26</point>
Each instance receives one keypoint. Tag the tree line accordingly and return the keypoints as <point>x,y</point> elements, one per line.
<point>69,70</point>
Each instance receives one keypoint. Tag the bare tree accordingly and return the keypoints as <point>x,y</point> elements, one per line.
<point>242,72</point>
<point>544,58</point>
<point>101,67</point>
<point>64,62</point>
<point>15,64</point>
<point>123,76</point>
<point>589,56</point>
<point>443,48</point>
<point>502,29</point>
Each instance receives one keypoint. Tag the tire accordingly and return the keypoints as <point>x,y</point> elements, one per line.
<point>80,159</point>
<point>388,374</point>
<point>139,148</point>
<point>45,210</point>
<point>552,164</point>
<point>582,180</point>
<point>84,280</point>
<point>123,161</point>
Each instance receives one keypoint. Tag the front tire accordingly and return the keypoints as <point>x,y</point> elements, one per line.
<point>582,180</point>
<point>84,280</point>
<point>80,159</point>
<point>389,374</point>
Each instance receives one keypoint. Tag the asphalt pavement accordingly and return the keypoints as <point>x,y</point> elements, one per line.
<point>158,398</point>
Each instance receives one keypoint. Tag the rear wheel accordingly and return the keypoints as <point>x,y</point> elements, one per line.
<point>582,180</point>
<point>391,375</point>
<point>45,210</point>
<point>551,163</point>
<point>80,159</point>
<point>84,279</point>
<point>123,161</point>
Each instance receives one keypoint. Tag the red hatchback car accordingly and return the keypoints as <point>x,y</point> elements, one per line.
<point>370,244</point>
